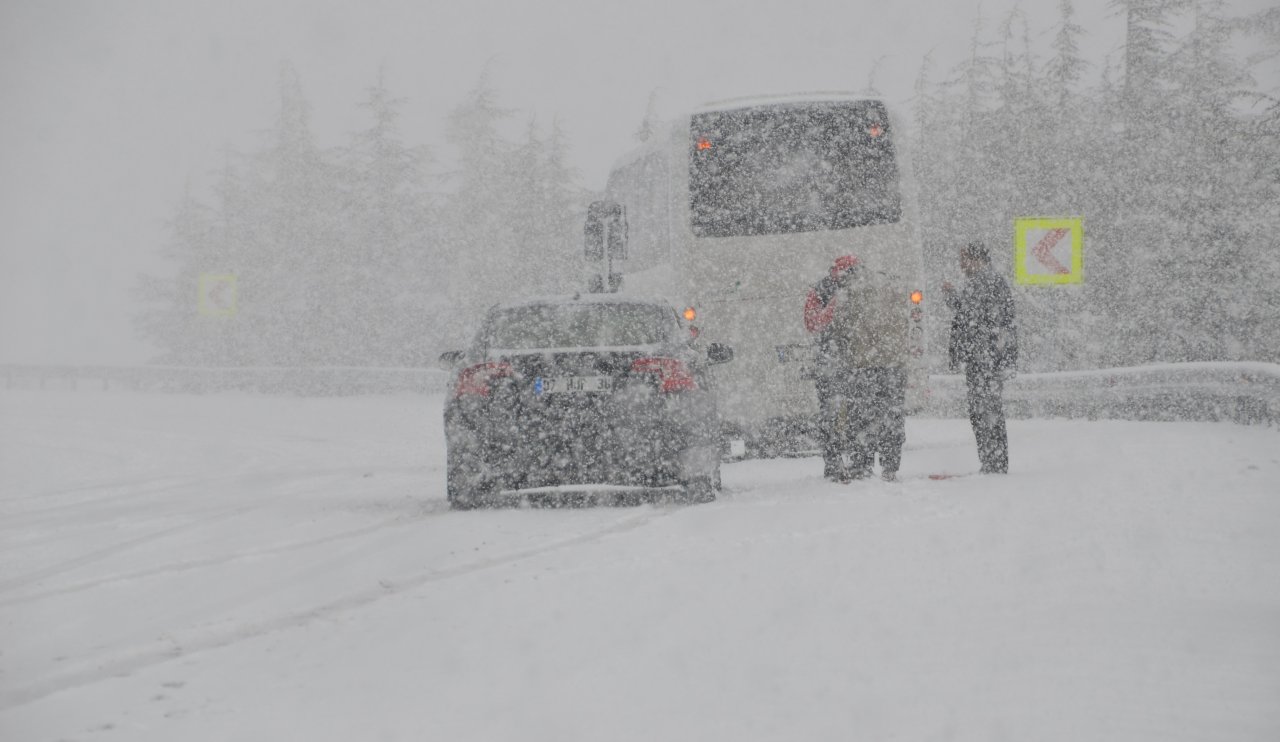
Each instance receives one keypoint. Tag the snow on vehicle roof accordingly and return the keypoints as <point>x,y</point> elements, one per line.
<point>767,100</point>
<point>586,298</point>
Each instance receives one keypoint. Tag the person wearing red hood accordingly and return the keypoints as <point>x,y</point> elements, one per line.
<point>860,374</point>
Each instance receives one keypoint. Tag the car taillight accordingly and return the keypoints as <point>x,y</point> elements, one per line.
<point>673,374</point>
<point>474,380</point>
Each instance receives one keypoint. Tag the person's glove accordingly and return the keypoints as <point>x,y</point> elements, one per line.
<point>826,289</point>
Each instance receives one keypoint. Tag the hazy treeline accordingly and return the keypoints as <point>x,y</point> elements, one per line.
<point>374,254</point>
<point>366,254</point>
<point>1172,157</point>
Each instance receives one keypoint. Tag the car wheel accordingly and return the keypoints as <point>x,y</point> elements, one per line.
<point>702,489</point>
<point>464,488</point>
<point>460,498</point>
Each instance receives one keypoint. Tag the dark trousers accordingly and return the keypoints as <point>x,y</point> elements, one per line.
<point>862,413</point>
<point>986,415</point>
<point>831,414</point>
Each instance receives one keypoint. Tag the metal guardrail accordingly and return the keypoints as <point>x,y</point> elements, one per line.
<point>1246,393</point>
<point>321,381</point>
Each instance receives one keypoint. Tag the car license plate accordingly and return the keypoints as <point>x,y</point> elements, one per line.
<point>572,384</point>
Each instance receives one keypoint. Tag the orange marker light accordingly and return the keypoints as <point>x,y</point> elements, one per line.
<point>704,144</point>
<point>917,297</point>
<point>690,314</point>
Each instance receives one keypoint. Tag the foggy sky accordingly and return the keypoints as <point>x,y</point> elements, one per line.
<point>110,109</point>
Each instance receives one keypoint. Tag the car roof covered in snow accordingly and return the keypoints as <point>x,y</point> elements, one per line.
<point>775,100</point>
<point>586,298</point>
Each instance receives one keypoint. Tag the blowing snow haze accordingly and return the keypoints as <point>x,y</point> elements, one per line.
<point>362,167</point>
<point>747,497</point>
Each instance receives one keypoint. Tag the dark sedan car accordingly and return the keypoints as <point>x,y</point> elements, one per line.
<point>582,396</point>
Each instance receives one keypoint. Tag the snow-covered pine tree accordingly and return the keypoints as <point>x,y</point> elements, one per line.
<point>398,274</point>
<point>1224,271</point>
<point>299,241</point>
<point>1065,69</point>
<point>650,123</point>
<point>169,318</point>
<point>477,211</point>
<point>563,211</point>
<point>1142,236</point>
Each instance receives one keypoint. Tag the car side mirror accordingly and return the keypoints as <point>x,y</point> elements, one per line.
<point>450,359</point>
<point>719,353</point>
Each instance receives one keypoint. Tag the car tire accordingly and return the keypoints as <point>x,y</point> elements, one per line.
<point>461,498</point>
<point>460,488</point>
<point>700,490</point>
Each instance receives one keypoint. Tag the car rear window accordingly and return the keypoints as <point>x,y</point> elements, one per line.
<point>579,326</point>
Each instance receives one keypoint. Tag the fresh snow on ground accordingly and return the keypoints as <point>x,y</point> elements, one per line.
<point>258,568</point>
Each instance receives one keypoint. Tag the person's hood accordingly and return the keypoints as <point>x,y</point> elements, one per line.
<point>842,264</point>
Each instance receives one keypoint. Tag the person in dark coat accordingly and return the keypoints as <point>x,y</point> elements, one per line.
<point>984,341</point>
<point>861,379</point>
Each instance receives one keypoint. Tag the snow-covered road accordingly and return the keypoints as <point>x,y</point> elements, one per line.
<point>257,568</point>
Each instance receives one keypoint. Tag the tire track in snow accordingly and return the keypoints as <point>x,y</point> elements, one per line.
<point>17,583</point>
<point>104,486</point>
<point>198,519</point>
<point>141,658</point>
<point>110,496</point>
<point>433,508</point>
